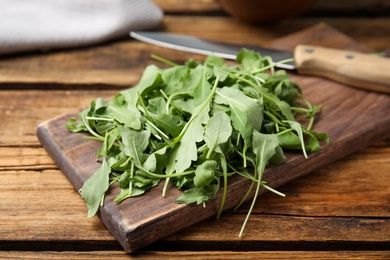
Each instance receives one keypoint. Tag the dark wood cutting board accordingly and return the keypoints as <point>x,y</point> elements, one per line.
<point>352,118</point>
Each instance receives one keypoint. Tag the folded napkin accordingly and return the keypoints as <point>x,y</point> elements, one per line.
<point>27,25</point>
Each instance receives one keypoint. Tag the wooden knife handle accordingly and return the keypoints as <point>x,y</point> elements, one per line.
<point>360,70</point>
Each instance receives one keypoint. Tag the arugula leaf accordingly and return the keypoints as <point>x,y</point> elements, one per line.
<point>218,130</point>
<point>264,147</point>
<point>173,79</point>
<point>134,143</point>
<point>186,150</point>
<point>198,195</point>
<point>95,187</point>
<point>170,124</point>
<point>125,114</point>
<point>75,128</point>
<point>202,89</point>
<point>250,60</point>
<point>298,129</point>
<point>151,79</point>
<point>155,161</point>
<point>205,173</point>
<point>241,107</point>
<point>109,140</point>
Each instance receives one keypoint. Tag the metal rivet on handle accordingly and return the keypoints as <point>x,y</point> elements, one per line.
<point>309,50</point>
<point>349,56</point>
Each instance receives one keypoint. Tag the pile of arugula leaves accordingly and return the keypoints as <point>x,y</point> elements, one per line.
<point>193,126</point>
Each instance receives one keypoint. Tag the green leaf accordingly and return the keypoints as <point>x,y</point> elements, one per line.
<point>202,88</point>
<point>72,126</point>
<point>198,195</point>
<point>95,187</point>
<point>130,96</point>
<point>289,140</point>
<point>173,79</point>
<point>218,130</point>
<point>250,60</point>
<point>314,141</point>
<point>134,143</point>
<point>186,105</point>
<point>243,108</point>
<point>156,161</point>
<point>216,62</point>
<point>298,129</point>
<point>100,106</point>
<point>125,193</point>
<point>205,173</point>
<point>157,105</point>
<point>143,182</point>
<point>117,160</point>
<point>127,115</point>
<point>151,79</point>
<point>285,109</point>
<point>278,157</point>
<point>169,124</point>
<point>264,147</point>
<point>186,151</point>
<point>109,140</point>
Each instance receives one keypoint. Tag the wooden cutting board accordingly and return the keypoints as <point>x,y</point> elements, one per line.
<point>352,118</point>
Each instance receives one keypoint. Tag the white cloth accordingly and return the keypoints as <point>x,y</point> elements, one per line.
<point>27,25</point>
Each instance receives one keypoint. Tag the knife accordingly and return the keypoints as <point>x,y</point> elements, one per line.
<point>365,71</point>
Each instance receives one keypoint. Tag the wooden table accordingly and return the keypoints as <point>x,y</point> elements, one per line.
<point>339,211</point>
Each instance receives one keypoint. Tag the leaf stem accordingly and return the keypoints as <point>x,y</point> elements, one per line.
<point>252,205</point>
<point>225,180</point>
<point>90,130</point>
<point>131,178</point>
<point>273,190</point>
<point>157,129</point>
<point>140,98</point>
<point>161,59</point>
<point>272,66</point>
<point>99,118</point>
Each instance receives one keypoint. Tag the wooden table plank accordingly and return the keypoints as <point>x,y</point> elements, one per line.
<point>117,254</point>
<point>183,6</point>
<point>41,205</point>
<point>364,189</point>
<point>23,110</point>
<point>41,211</point>
<point>121,63</point>
<point>312,200</point>
<point>323,7</point>
<point>57,213</point>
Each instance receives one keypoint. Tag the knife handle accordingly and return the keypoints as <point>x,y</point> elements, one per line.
<point>360,70</point>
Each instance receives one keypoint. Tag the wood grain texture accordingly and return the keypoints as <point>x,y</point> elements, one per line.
<point>57,213</point>
<point>352,118</point>
<point>43,206</point>
<point>43,217</point>
<point>357,255</point>
<point>119,64</point>
<point>23,110</point>
<point>175,6</point>
<point>346,7</point>
<point>365,71</point>
<point>351,7</point>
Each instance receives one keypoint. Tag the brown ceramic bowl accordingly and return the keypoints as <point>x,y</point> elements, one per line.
<point>265,11</point>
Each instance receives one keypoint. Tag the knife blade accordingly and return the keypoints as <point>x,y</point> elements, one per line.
<point>364,71</point>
